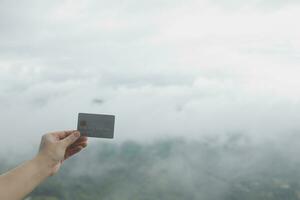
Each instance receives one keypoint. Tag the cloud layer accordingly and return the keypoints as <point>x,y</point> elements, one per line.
<point>163,67</point>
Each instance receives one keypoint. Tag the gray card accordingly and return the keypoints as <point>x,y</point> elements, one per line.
<point>96,125</point>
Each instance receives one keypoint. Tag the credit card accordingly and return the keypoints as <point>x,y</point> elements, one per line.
<point>96,125</point>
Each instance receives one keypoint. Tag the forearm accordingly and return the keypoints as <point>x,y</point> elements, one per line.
<point>55,147</point>
<point>19,182</point>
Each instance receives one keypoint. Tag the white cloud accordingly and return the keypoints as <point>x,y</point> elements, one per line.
<point>164,68</point>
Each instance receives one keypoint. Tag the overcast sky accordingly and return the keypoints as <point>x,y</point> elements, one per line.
<point>163,67</point>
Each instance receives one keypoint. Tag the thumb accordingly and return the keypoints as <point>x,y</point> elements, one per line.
<point>70,139</point>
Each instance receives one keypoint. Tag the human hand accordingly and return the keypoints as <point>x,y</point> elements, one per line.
<point>56,147</point>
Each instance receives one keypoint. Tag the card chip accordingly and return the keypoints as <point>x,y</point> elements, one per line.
<point>83,123</point>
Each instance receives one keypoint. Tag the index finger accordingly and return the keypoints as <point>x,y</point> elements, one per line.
<point>63,134</point>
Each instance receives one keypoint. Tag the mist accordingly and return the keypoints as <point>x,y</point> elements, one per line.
<point>231,167</point>
<point>165,68</point>
<point>205,94</point>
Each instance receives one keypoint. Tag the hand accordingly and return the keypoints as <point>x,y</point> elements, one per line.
<point>56,147</point>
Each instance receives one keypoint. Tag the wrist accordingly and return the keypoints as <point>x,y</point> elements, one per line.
<point>44,164</point>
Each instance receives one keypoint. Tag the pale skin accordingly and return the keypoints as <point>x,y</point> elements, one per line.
<point>54,149</point>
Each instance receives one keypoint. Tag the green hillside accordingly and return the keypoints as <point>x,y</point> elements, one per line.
<point>171,169</point>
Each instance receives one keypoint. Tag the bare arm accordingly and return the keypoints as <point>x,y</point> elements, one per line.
<point>54,149</point>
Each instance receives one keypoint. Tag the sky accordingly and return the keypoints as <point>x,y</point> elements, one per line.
<point>163,67</point>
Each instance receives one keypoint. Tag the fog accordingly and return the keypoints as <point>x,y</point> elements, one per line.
<point>200,72</point>
<point>231,167</point>
<point>178,68</point>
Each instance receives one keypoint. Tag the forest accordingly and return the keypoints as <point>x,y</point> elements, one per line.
<point>229,168</point>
